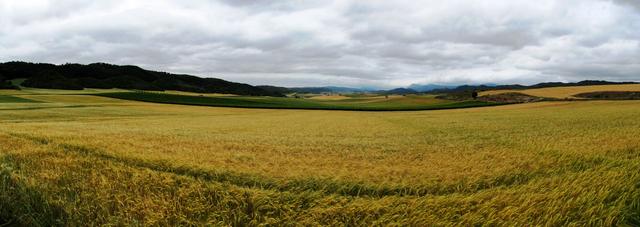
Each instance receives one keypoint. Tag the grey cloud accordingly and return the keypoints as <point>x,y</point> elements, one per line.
<point>633,3</point>
<point>352,43</point>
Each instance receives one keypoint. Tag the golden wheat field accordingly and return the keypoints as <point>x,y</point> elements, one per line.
<point>567,92</point>
<point>72,159</point>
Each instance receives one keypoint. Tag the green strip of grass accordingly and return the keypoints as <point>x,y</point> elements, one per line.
<point>14,99</point>
<point>281,103</point>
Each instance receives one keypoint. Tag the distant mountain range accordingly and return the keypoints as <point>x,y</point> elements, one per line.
<point>469,88</point>
<point>429,87</point>
<point>439,89</point>
<point>311,90</point>
<point>399,91</point>
<point>102,75</point>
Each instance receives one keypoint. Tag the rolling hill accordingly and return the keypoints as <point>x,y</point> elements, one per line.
<point>77,159</point>
<point>511,87</point>
<point>567,91</point>
<point>102,75</point>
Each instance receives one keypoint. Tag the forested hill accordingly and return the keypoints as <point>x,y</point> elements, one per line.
<point>102,75</point>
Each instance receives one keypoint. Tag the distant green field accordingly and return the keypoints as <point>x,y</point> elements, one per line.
<point>363,103</point>
<point>13,99</point>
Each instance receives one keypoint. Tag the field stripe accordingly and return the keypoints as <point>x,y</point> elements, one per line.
<point>329,186</point>
<point>234,102</point>
<point>18,199</point>
<point>15,99</point>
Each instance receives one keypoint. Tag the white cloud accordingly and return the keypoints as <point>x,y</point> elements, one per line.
<point>341,42</point>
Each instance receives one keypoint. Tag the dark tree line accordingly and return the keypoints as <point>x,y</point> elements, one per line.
<point>102,75</point>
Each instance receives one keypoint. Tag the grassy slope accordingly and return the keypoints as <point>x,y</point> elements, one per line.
<point>369,104</point>
<point>568,92</point>
<point>125,163</point>
<point>18,82</point>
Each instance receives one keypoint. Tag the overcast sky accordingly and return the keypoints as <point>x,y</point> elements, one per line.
<point>347,43</point>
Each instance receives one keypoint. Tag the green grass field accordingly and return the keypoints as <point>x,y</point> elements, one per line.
<point>376,103</point>
<point>74,159</point>
<point>13,99</point>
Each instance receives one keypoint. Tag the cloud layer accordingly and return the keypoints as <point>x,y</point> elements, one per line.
<point>350,43</point>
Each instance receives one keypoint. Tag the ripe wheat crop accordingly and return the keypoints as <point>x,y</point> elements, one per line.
<point>86,160</point>
<point>568,92</point>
